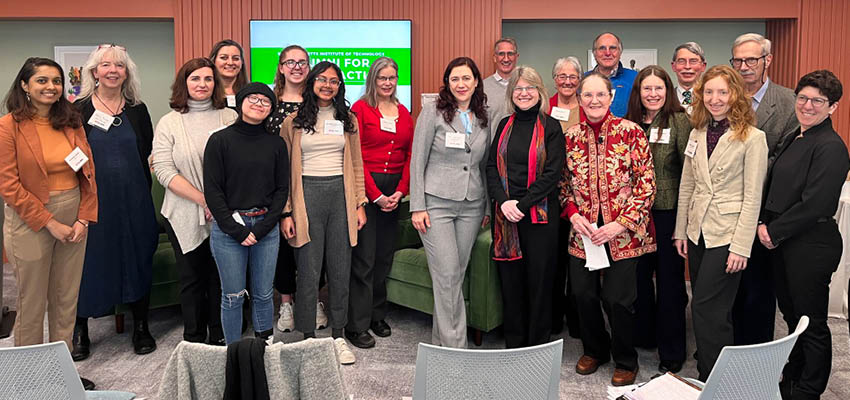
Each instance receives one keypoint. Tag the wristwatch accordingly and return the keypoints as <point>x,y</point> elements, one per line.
<point>362,204</point>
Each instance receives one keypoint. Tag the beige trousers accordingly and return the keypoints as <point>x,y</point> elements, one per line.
<point>48,272</point>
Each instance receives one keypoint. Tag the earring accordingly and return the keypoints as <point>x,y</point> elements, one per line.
<point>28,97</point>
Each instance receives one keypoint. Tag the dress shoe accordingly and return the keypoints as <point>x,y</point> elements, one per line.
<point>362,340</point>
<point>81,342</point>
<point>143,342</point>
<point>587,365</point>
<point>623,377</point>
<point>87,384</point>
<point>381,328</point>
<point>670,366</point>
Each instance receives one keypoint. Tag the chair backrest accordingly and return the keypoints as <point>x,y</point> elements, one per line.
<point>43,371</point>
<point>526,373</point>
<point>751,372</point>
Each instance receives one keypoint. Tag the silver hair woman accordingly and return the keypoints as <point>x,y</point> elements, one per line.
<point>371,95</point>
<point>131,89</point>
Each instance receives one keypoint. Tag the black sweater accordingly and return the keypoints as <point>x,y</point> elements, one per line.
<point>546,183</point>
<point>245,167</point>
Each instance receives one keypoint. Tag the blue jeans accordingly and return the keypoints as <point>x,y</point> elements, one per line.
<point>233,260</point>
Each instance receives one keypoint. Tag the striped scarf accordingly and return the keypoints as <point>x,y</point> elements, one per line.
<point>505,235</point>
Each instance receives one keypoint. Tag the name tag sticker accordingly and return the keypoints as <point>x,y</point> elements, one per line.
<point>691,150</point>
<point>455,140</point>
<point>561,114</point>
<point>388,125</point>
<point>76,159</point>
<point>613,93</point>
<point>333,127</point>
<point>238,218</point>
<point>231,100</point>
<point>664,138</point>
<point>101,120</point>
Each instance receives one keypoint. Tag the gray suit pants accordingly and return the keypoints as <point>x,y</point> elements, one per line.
<point>448,244</point>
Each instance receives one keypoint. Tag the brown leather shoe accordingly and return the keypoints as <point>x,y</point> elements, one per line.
<point>587,365</point>
<point>623,377</point>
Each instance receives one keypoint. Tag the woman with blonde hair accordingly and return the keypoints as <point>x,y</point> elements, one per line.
<point>119,254</point>
<point>523,171</point>
<point>720,193</point>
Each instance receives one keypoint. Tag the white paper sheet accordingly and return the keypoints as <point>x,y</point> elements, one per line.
<point>596,257</point>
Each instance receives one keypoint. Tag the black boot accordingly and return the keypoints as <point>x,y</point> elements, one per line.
<point>143,342</point>
<point>265,335</point>
<point>87,384</point>
<point>81,342</point>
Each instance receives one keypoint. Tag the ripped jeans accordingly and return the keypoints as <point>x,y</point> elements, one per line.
<point>233,261</point>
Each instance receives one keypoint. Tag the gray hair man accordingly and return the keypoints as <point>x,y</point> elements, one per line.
<point>688,64</point>
<point>607,50</point>
<point>505,56</point>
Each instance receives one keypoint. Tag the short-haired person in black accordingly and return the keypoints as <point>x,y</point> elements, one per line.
<point>797,225</point>
<point>246,183</point>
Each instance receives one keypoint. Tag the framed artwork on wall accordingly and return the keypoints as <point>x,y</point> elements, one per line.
<point>631,58</point>
<point>72,59</point>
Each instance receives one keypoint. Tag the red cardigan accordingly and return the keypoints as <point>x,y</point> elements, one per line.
<point>384,152</point>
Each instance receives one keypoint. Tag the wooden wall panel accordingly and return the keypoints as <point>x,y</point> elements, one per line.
<point>652,10</point>
<point>441,30</point>
<point>824,44</point>
<point>783,34</point>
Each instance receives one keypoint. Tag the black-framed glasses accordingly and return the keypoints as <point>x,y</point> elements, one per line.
<point>259,100</point>
<point>109,45</point>
<point>817,102</point>
<point>333,81</point>
<point>291,64</point>
<point>750,61</point>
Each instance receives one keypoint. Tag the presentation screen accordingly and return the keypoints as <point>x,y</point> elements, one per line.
<point>352,45</point>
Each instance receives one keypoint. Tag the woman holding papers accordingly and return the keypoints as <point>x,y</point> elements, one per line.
<point>607,190</point>
<point>720,195</point>
<point>654,106</point>
<point>524,167</point>
<point>448,196</point>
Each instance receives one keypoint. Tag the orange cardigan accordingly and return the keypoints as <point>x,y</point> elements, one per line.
<point>23,176</point>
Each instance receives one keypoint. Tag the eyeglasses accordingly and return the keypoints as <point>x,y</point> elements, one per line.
<point>587,96</point>
<point>750,61</point>
<point>383,79</point>
<point>291,64</point>
<point>109,45</point>
<point>527,89</point>
<point>688,61</point>
<point>817,102</point>
<point>565,77</point>
<point>333,82</point>
<point>259,100</point>
<point>506,53</point>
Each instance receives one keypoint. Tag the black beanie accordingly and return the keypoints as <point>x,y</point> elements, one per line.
<point>252,88</point>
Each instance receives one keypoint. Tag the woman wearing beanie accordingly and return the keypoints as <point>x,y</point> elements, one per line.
<point>246,182</point>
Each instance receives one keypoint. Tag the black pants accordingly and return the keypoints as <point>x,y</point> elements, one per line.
<point>527,284</point>
<point>803,268</point>
<point>660,306</point>
<point>713,295</point>
<point>754,312</point>
<point>371,260</point>
<point>284,274</point>
<point>617,293</point>
<point>200,291</point>
<point>563,300</point>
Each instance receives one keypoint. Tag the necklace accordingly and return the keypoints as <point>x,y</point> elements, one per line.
<point>117,121</point>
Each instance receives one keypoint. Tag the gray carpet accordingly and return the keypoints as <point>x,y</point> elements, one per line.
<point>384,372</point>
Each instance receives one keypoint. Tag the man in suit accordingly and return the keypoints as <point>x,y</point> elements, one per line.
<point>755,303</point>
<point>607,50</point>
<point>505,56</point>
<point>688,64</point>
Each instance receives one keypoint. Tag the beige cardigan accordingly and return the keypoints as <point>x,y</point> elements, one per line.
<point>353,181</point>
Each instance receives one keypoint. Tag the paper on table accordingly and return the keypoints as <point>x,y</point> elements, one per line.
<point>664,387</point>
<point>596,257</point>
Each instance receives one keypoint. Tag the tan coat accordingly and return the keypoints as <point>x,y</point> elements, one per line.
<point>720,198</point>
<point>353,181</point>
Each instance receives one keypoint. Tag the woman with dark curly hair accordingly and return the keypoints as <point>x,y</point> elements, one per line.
<point>325,207</point>
<point>802,189</point>
<point>448,191</point>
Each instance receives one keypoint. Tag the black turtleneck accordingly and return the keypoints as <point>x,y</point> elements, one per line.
<point>517,161</point>
<point>245,167</point>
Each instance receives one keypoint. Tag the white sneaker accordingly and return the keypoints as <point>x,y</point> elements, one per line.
<point>286,323</point>
<point>321,317</point>
<point>346,357</point>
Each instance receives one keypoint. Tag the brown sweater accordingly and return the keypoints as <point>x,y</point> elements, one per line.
<point>353,182</point>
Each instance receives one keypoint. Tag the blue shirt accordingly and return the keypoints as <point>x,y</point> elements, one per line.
<point>760,94</point>
<point>621,82</point>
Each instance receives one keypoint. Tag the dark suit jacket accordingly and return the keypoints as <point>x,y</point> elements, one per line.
<point>775,115</point>
<point>139,118</point>
<point>804,183</point>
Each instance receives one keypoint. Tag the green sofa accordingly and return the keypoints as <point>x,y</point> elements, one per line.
<point>409,282</point>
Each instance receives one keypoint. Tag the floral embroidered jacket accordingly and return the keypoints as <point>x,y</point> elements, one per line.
<point>614,178</point>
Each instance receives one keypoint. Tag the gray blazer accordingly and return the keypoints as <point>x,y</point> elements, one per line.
<point>775,115</point>
<point>447,173</point>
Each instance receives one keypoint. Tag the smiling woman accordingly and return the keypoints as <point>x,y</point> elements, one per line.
<point>228,57</point>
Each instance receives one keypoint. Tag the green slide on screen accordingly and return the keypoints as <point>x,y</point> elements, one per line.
<point>354,62</point>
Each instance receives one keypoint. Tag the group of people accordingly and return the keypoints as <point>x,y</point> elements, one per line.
<point>291,188</point>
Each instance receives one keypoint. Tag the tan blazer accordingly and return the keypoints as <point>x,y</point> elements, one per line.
<point>720,198</point>
<point>352,177</point>
<point>23,174</point>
